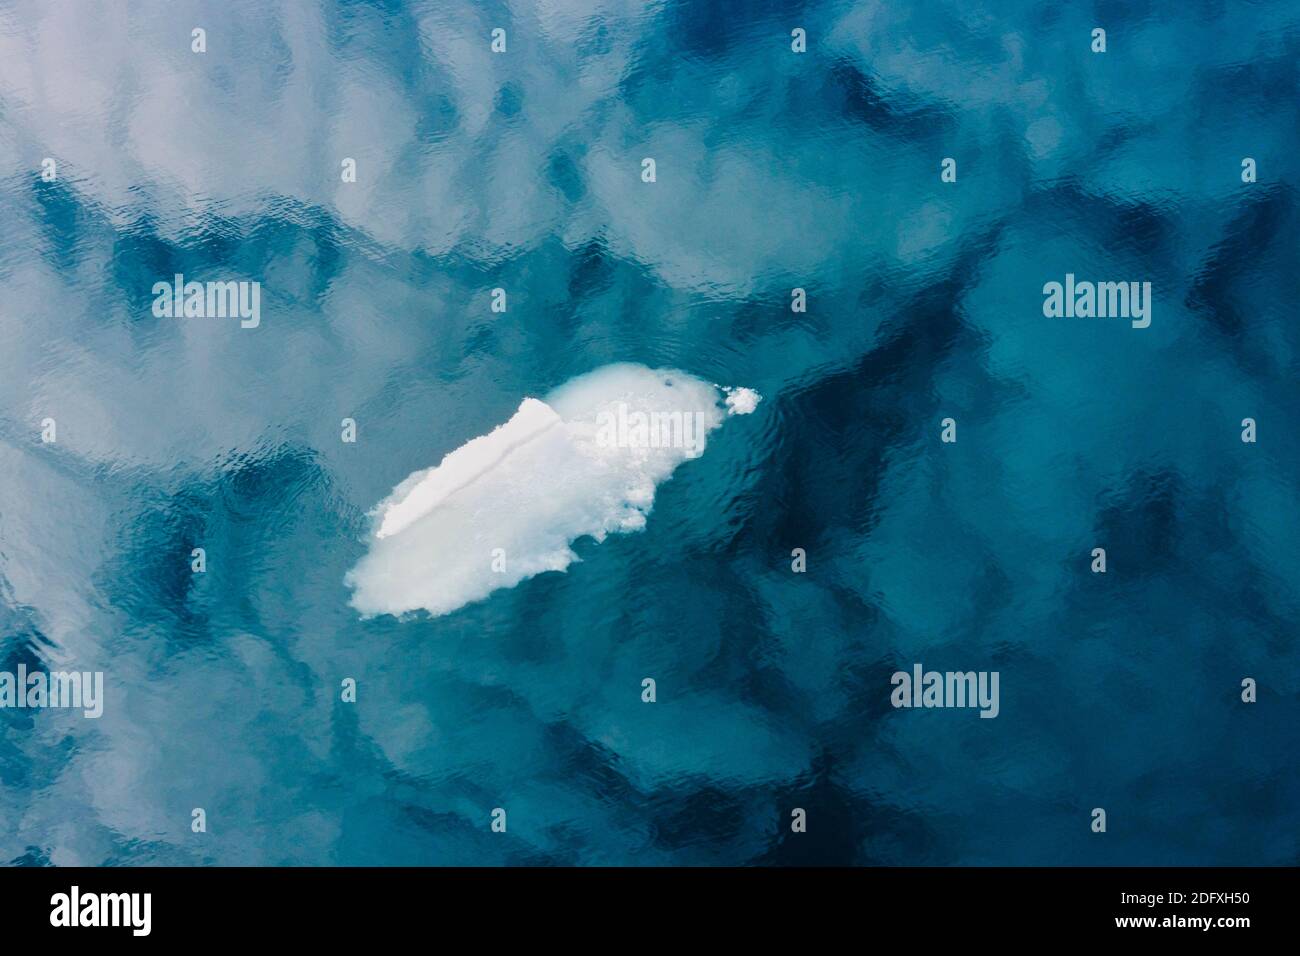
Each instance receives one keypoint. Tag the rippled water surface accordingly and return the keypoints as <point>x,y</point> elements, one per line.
<point>774,170</point>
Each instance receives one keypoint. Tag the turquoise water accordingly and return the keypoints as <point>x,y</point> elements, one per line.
<point>774,170</point>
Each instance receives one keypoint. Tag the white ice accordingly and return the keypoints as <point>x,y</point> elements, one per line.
<point>509,504</point>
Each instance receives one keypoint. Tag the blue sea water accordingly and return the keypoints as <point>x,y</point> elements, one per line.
<point>775,170</point>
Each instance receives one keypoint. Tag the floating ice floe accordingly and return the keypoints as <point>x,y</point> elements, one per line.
<point>509,504</point>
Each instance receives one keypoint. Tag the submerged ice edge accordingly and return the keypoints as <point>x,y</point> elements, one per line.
<point>507,505</point>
